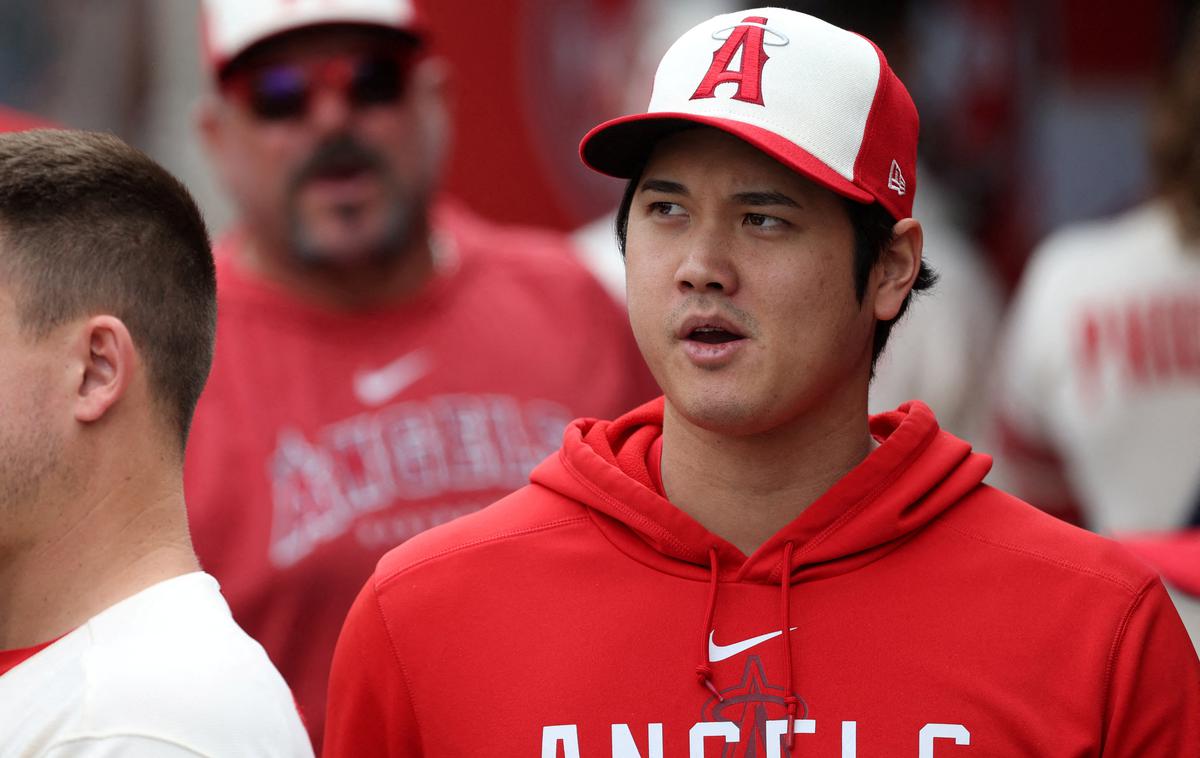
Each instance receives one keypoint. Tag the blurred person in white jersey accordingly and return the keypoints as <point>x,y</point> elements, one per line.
<point>1100,361</point>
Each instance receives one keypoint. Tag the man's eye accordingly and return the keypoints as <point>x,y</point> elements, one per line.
<point>666,209</point>
<point>763,221</point>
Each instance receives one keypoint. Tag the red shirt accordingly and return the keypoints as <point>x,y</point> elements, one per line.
<point>323,439</point>
<point>10,659</point>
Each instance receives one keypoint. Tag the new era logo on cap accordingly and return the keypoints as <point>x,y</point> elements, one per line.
<point>896,179</point>
<point>817,98</point>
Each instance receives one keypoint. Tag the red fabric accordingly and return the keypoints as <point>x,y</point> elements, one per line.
<point>929,608</point>
<point>10,659</point>
<point>17,121</point>
<point>890,137</point>
<point>1176,556</point>
<point>530,76</point>
<point>296,485</point>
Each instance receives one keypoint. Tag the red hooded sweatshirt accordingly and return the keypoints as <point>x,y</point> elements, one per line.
<point>910,611</point>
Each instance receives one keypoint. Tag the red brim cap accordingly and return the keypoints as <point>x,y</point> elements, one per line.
<point>820,100</point>
<point>620,147</point>
<point>1176,556</point>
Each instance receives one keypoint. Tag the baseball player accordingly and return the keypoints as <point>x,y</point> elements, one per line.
<point>1100,363</point>
<point>752,565</point>
<point>386,360</point>
<point>112,640</point>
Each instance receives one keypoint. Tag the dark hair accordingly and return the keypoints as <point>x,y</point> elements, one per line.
<point>1175,126</point>
<point>872,225</point>
<point>90,225</point>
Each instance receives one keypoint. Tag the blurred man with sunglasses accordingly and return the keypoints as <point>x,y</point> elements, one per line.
<point>385,361</point>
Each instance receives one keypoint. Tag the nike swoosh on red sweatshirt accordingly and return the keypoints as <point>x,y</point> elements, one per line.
<point>909,611</point>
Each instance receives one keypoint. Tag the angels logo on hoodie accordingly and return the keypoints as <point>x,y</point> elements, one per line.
<point>751,704</point>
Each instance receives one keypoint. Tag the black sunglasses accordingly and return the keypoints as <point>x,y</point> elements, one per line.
<point>284,91</point>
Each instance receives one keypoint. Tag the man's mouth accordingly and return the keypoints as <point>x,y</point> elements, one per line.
<point>712,335</point>
<point>712,329</point>
<point>341,171</point>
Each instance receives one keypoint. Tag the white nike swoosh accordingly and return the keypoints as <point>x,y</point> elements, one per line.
<point>381,385</point>
<point>721,652</point>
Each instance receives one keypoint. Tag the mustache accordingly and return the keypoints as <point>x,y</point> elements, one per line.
<point>338,155</point>
<point>702,302</point>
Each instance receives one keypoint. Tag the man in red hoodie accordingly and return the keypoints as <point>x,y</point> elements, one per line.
<point>751,566</point>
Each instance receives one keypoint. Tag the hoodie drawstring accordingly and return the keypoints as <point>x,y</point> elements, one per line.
<point>704,671</point>
<point>790,700</point>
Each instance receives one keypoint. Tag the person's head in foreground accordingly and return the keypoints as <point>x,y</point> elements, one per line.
<point>328,127</point>
<point>107,316</point>
<point>752,565</point>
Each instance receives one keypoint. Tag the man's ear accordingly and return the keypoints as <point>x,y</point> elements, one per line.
<point>207,118</point>
<point>109,361</point>
<point>897,268</point>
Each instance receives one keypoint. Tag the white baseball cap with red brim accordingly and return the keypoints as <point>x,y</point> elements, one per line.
<point>819,99</point>
<point>231,27</point>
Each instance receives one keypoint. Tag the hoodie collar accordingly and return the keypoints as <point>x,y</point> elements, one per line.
<point>917,472</point>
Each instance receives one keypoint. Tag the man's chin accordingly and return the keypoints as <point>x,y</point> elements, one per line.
<point>344,255</point>
<point>351,248</point>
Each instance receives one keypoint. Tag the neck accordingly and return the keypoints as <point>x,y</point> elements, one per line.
<point>107,541</point>
<point>357,287</point>
<point>747,488</point>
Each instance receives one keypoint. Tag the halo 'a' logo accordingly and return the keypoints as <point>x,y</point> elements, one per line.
<point>750,704</point>
<point>751,38</point>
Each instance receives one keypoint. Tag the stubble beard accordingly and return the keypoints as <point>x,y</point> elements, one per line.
<point>404,211</point>
<point>29,460</point>
<point>396,235</point>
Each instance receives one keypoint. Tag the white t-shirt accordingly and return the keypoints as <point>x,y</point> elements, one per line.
<point>1100,368</point>
<point>165,672</point>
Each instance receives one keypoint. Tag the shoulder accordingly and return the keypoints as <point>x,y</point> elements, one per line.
<point>170,662</point>
<point>1030,546</point>
<point>1109,250</point>
<point>532,515</point>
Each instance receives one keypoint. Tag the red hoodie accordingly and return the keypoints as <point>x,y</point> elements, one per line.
<point>909,611</point>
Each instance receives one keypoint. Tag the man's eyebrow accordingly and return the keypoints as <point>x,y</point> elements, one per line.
<point>765,198</point>
<point>662,185</point>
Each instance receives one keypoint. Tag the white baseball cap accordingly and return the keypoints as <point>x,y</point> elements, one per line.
<point>231,27</point>
<point>819,99</point>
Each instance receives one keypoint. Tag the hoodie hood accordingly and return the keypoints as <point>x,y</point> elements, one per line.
<point>917,472</point>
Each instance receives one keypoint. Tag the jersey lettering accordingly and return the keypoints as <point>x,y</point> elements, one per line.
<point>849,739</point>
<point>704,729</point>
<point>347,476</point>
<point>566,735</point>
<point>777,728</point>
<point>623,745</point>
<point>562,740</point>
<point>748,38</point>
<point>931,732</point>
<point>1149,341</point>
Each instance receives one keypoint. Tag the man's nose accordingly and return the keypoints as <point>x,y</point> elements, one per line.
<point>707,265</point>
<point>329,110</point>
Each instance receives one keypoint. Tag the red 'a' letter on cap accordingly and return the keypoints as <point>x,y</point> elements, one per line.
<point>749,37</point>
